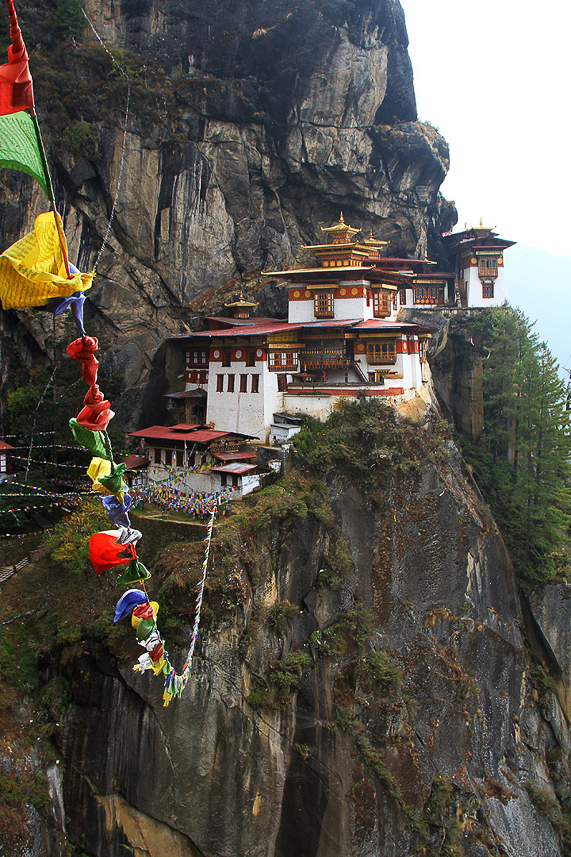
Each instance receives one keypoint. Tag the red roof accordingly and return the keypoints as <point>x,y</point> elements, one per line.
<point>236,468</point>
<point>381,323</point>
<point>133,462</point>
<point>194,434</point>
<point>185,427</point>
<point>4,445</point>
<point>243,330</point>
<point>234,456</point>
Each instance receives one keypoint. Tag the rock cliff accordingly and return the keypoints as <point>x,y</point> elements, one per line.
<point>249,127</point>
<point>364,683</point>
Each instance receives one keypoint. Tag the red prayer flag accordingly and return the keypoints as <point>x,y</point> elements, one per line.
<point>16,90</point>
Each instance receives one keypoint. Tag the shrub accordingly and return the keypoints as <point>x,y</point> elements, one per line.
<point>69,544</point>
<point>377,671</point>
<point>280,612</point>
<point>80,139</point>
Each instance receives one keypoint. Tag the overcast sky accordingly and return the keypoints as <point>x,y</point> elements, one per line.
<point>494,77</point>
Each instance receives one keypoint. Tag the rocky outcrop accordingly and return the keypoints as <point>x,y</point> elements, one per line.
<point>249,127</point>
<point>323,760</point>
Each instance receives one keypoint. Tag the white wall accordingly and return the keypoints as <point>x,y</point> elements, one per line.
<point>475,298</point>
<point>246,413</point>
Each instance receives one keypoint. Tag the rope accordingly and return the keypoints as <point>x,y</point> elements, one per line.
<point>41,399</point>
<point>124,145</point>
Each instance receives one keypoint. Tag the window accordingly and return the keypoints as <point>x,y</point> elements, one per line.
<point>196,358</point>
<point>429,294</point>
<point>488,266</point>
<point>255,383</point>
<point>381,352</point>
<point>280,360</point>
<point>226,357</point>
<point>168,457</point>
<point>243,383</point>
<point>251,357</point>
<point>157,456</point>
<point>381,303</point>
<point>231,383</point>
<point>223,480</point>
<point>179,458</point>
<point>323,304</point>
<point>487,290</point>
<point>220,383</point>
<point>402,295</point>
<point>282,383</point>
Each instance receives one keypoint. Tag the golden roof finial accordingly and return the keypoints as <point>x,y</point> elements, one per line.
<point>481,223</point>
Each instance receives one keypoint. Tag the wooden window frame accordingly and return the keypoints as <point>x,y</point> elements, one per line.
<point>324,303</point>
<point>381,303</point>
<point>230,384</point>
<point>220,383</point>
<point>487,291</point>
<point>429,295</point>
<point>382,353</point>
<point>243,383</point>
<point>255,383</point>
<point>278,361</point>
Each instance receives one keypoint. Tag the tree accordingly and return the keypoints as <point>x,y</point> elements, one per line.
<point>521,461</point>
<point>69,21</point>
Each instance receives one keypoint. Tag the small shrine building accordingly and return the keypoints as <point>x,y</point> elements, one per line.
<point>196,459</point>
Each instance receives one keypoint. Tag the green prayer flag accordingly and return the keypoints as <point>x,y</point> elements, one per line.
<point>114,482</point>
<point>134,572</point>
<point>94,441</point>
<point>19,148</point>
<point>145,628</point>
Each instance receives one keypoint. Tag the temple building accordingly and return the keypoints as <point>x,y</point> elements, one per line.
<point>476,257</point>
<point>342,337</point>
<point>193,459</point>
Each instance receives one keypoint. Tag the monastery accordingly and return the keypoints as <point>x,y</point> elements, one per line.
<point>248,378</point>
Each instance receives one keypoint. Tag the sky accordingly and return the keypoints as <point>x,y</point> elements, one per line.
<point>494,78</point>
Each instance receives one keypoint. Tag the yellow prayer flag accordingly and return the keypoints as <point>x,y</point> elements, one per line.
<point>33,269</point>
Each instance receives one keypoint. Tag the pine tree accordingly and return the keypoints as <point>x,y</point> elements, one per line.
<point>522,459</point>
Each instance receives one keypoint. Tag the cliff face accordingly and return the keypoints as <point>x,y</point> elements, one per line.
<point>250,125</point>
<point>269,755</point>
<point>367,679</point>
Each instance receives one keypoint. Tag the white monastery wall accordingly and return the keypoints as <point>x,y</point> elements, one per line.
<point>474,291</point>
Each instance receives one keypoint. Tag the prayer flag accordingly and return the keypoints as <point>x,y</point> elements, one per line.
<point>16,89</point>
<point>19,149</point>
<point>33,269</point>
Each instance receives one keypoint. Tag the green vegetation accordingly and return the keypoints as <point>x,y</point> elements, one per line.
<point>353,627</point>
<point>68,19</point>
<point>14,792</point>
<point>69,544</point>
<point>280,612</point>
<point>372,758</point>
<point>80,139</point>
<point>440,813</point>
<point>284,675</point>
<point>521,460</point>
<point>376,672</point>
<point>365,439</point>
